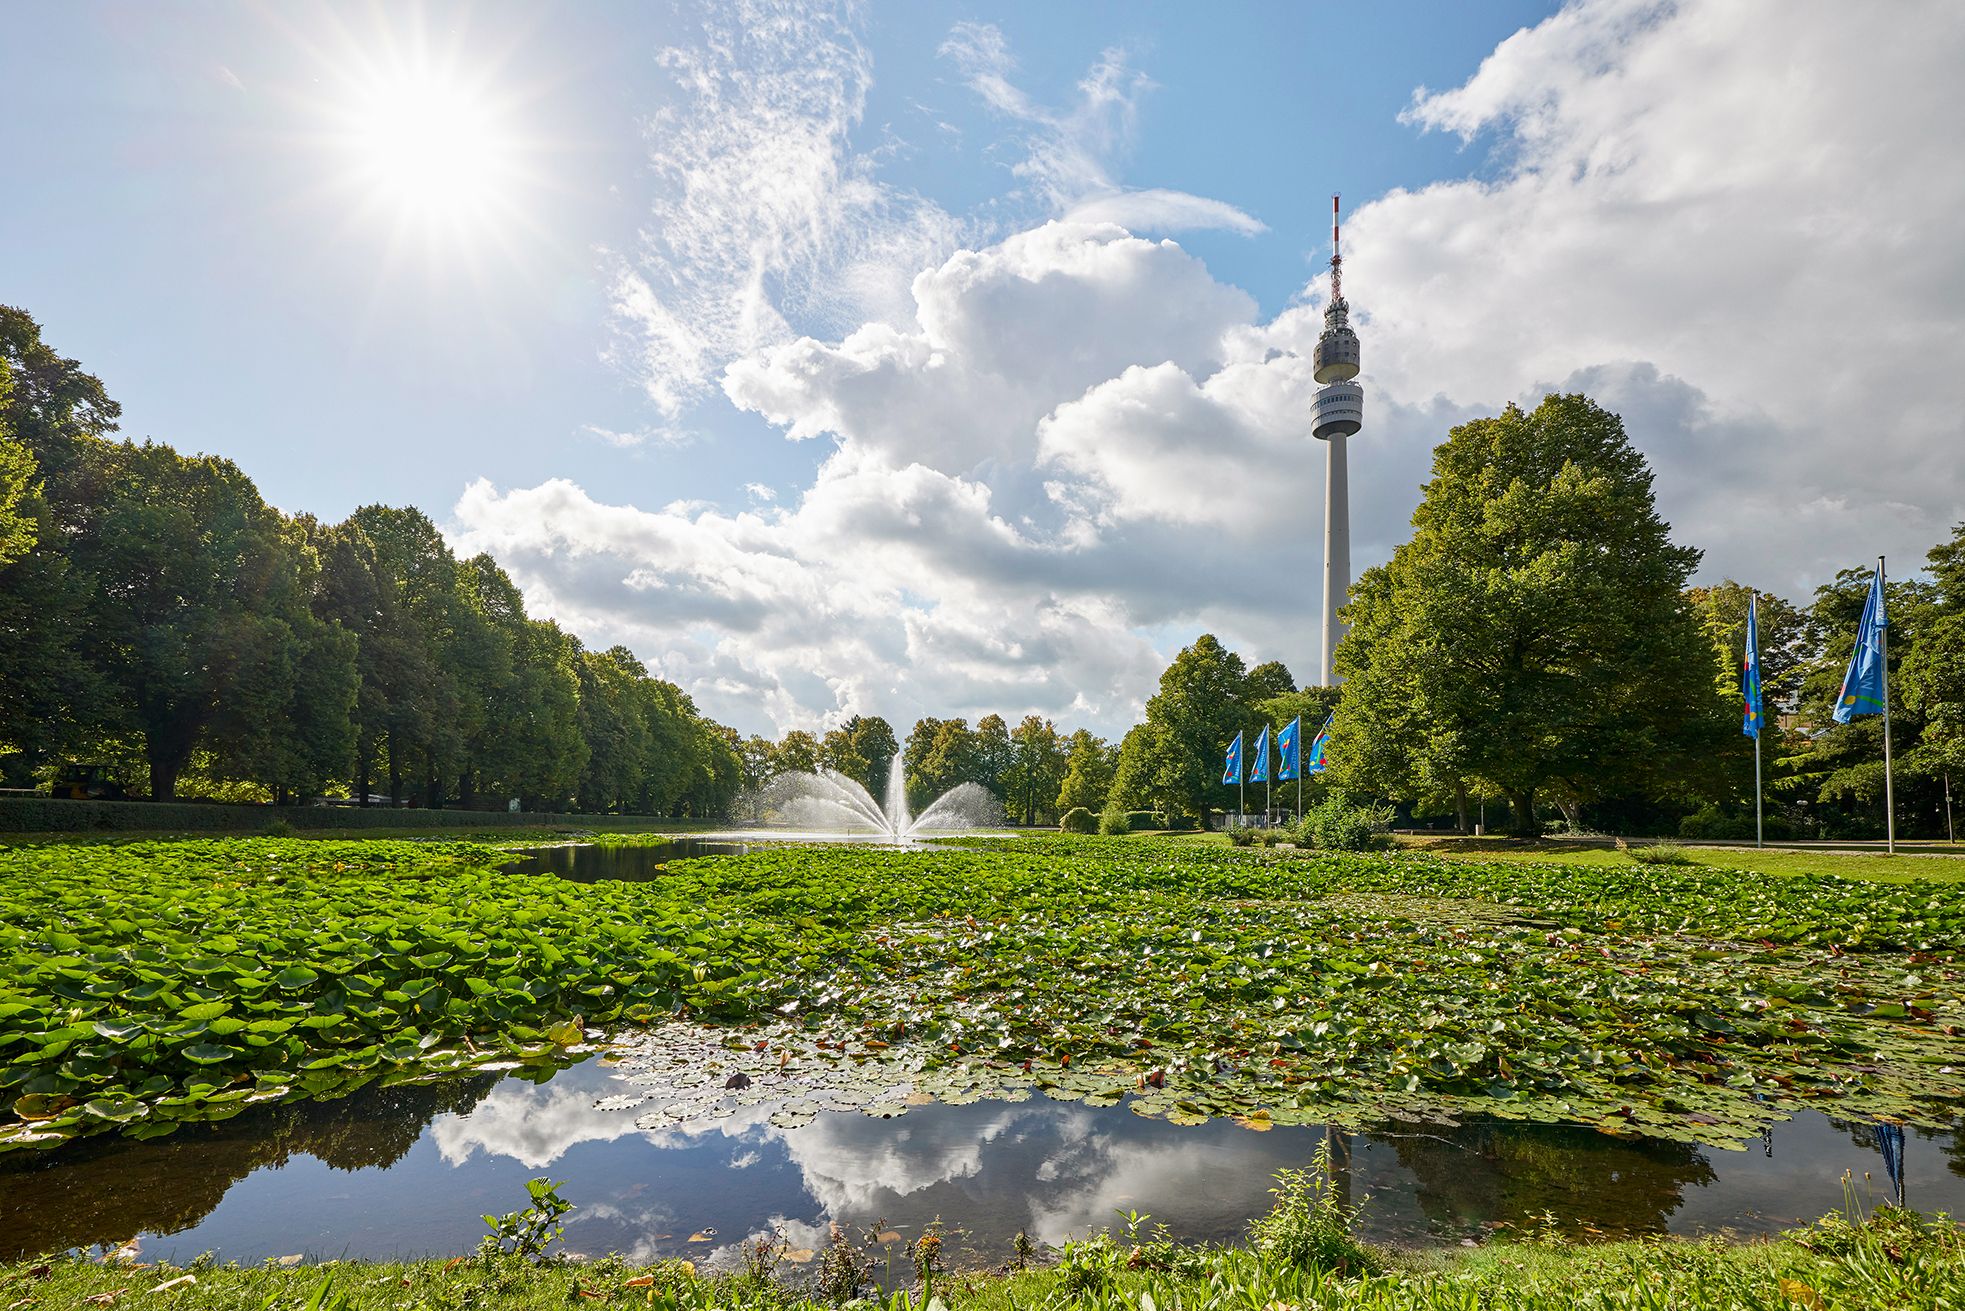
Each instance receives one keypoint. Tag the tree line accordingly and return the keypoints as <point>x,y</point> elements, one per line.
<point>157,616</point>
<point>1535,649</point>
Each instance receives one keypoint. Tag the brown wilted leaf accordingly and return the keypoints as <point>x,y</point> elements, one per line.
<point>798,1255</point>
<point>641,1281</point>
<point>182,1281</point>
<point>293,1260</point>
<point>104,1299</point>
<point>1796,1291</point>
<point>702,1236</point>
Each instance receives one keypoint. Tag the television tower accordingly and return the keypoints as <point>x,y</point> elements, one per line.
<point>1336,413</point>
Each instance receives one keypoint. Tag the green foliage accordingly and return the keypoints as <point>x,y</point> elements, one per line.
<point>1115,823</point>
<point>1172,762</point>
<point>525,1234</point>
<point>1078,820</point>
<point>1241,837</point>
<point>1337,823</point>
<point>49,815</point>
<point>1311,1226</point>
<point>166,614</point>
<point>1088,773</point>
<point>158,982</point>
<point>1533,635</point>
<point>1893,1259</point>
<point>1661,853</point>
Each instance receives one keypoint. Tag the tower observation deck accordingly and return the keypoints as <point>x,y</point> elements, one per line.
<point>1337,411</point>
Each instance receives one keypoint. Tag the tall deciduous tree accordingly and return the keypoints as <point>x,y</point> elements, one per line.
<point>940,754</point>
<point>200,622</point>
<point>1533,634</point>
<point>1202,703</point>
<point>1035,770</point>
<point>1089,765</point>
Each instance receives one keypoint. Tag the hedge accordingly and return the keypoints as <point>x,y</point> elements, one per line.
<point>59,815</point>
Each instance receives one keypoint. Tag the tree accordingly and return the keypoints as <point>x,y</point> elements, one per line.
<point>1269,679</point>
<point>1202,703</point>
<point>19,522</point>
<point>797,753</point>
<point>1533,635</point>
<point>199,617</point>
<point>940,754</point>
<point>1034,771</point>
<point>1089,764</point>
<point>53,416</point>
<point>993,754</point>
<point>1933,674</point>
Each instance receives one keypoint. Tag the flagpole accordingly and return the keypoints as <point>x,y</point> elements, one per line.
<point>1759,723</point>
<point>1889,789</point>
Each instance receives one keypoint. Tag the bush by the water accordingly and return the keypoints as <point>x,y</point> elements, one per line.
<point>1078,820</point>
<point>1115,823</point>
<point>1666,852</point>
<point>1339,824</point>
<point>1710,822</point>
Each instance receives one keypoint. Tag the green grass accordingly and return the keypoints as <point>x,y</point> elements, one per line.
<point>1934,867</point>
<point>1895,1261</point>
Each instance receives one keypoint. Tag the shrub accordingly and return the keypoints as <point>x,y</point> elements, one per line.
<point>1241,837</point>
<point>1666,852</point>
<point>1338,824</point>
<point>1136,820</point>
<point>1310,1225</point>
<point>1115,823</point>
<point>1078,820</point>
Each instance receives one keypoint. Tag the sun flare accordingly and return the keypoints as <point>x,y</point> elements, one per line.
<point>424,148</point>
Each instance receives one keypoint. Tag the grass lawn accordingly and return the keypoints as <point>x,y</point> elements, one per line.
<point>1936,864</point>
<point>1893,1262</point>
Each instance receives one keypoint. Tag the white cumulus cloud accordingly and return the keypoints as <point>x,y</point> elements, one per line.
<point>1059,453</point>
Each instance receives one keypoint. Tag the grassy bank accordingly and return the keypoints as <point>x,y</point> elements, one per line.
<point>1909,866</point>
<point>53,817</point>
<point>1894,1261</point>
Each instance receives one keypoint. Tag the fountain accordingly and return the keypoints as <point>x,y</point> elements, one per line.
<point>829,804</point>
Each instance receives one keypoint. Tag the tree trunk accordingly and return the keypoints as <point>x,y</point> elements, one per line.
<point>395,775</point>
<point>364,763</point>
<point>1521,817</point>
<point>1460,806</point>
<point>163,779</point>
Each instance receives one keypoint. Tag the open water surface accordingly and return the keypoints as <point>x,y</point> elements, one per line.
<point>586,862</point>
<point>406,1171</point>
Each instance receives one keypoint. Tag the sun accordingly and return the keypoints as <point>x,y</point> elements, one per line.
<point>431,148</point>
<point>427,150</point>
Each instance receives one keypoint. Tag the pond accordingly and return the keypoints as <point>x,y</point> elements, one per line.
<point>406,1171</point>
<point>586,862</point>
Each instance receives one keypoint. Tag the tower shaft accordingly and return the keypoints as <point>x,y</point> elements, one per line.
<point>1338,410</point>
<point>1337,550</point>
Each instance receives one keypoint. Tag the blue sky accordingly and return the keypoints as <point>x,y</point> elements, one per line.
<point>936,359</point>
<point>168,228</point>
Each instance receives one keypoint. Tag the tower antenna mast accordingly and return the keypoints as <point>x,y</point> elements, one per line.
<point>1337,412</point>
<point>1336,255</point>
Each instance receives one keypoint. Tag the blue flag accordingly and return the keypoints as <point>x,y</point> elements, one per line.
<point>1862,686</point>
<point>1232,768</point>
<point>1316,765</point>
<point>1750,677</point>
<point>1261,772</point>
<point>1288,747</point>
